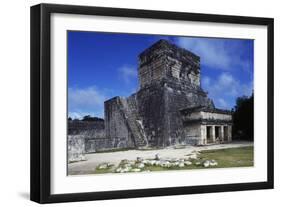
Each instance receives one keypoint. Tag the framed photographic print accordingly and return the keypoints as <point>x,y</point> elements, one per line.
<point>132,103</point>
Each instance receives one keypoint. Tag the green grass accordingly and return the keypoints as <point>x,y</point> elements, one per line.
<point>226,158</point>
<point>233,157</point>
<point>102,171</point>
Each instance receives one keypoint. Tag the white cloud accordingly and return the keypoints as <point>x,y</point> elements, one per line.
<point>80,115</point>
<point>127,73</point>
<point>227,83</point>
<point>222,103</point>
<point>215,53</point>
<point>86,101</point>
<point>225,88</point>
<point>90,96</point>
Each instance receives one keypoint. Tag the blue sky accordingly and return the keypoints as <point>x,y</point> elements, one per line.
<point>104,65</point>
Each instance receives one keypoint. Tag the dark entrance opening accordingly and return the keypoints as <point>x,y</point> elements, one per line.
<point>209,134</point>
<point>225,133</point>
<point>217,132</point>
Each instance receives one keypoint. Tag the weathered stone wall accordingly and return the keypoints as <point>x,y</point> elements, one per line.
<point>217,116</point>
<point>192,135</point>
<point>89,136</point>
<point>105,144</point>
<point>76,148</point>
<point>79,145</point>
<point>93,129</point>
<point>159,106</point>
<point>177,97</point>
<point>152,71</point>
<point>165,60</point>
<point>116,121</point>
<point>202,115</point>
<point>151,109</point>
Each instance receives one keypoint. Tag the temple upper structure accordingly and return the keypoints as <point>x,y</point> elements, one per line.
<point>167,61</point>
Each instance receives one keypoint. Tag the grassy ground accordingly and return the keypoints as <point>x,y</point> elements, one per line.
<point>102,171</point>
<point>232,157</point>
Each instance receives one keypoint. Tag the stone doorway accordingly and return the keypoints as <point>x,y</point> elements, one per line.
<point>209,134</point>
<point>217,132</point>
<point>225,133</point>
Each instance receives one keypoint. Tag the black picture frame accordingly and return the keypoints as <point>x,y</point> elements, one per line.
<point>41,98</point>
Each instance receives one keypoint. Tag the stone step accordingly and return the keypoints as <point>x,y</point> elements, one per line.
<point>132,120</point>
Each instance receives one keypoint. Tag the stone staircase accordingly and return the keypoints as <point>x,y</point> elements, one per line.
<point>129,108</point>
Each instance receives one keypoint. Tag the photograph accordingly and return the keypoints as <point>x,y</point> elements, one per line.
<point>146,103</point>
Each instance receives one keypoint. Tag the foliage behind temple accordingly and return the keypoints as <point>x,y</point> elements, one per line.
<point>243,118</point>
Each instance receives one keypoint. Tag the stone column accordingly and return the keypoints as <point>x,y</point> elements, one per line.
<point>229,133</point>
<point>213,134</point>
<point>203,134</point>
<point>221,134</point>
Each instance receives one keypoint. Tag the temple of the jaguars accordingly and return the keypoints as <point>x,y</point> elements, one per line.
<point>169,108</point>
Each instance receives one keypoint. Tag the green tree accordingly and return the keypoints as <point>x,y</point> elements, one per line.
<point>90,118</point>
<point>243,118</point>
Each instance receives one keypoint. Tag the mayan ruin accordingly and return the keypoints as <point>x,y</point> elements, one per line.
<point>169,108</point>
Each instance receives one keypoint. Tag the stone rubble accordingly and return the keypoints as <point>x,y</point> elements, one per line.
<point>210,163</point>
<point>140,164</point>
<point>206,163</point>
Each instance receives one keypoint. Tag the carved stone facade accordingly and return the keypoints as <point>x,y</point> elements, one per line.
<point>167,61</point>
<point>204,126</point>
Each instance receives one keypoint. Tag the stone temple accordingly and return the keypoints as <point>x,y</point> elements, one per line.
<point>169,108</point>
